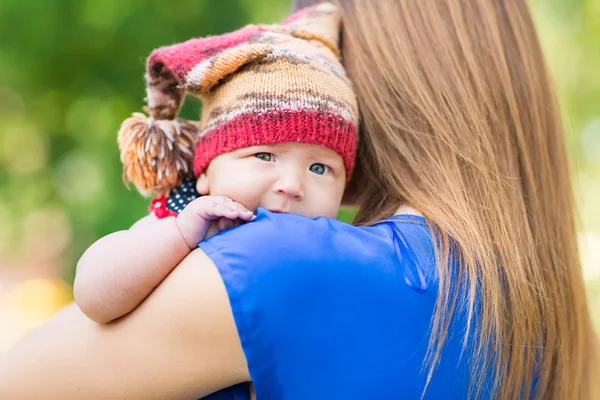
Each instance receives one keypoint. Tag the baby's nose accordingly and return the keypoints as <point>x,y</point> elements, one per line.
<point>289,185</point>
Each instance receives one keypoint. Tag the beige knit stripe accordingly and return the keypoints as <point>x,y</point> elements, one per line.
<point>324,59</point>
<point>301,52</point>
<point>327,62</point>
<point>302,46</point>
<point>270,105</point>
<point>287,63</point>
<point>321,22</point>
<point>225,63</point>
<point>263,103</point>
<point>299,78</point>
<point>249,98</point>
<point>285,39</point>
<point>275,38</point>
<point>319,25</point>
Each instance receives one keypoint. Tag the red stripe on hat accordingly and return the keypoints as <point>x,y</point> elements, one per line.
<point>252,129</point>
<point>181,58</point>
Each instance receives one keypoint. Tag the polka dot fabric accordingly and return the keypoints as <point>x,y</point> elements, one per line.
<point>178,199</point>
<point>182,195</point>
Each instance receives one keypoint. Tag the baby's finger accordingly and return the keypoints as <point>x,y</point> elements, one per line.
<point>234,210</point>
<point>223,211</point>
<point>220,206</point>
<point>243,212</point>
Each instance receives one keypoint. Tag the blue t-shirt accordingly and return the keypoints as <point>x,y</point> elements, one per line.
<point>327,310</point>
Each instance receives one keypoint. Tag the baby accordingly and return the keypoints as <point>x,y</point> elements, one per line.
<point>277,131</point>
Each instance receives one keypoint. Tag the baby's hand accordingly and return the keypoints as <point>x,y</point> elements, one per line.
<point>195,219</point>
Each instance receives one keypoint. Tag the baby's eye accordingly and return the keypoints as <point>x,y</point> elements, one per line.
<point>265,156</point>
<point>319,168</point>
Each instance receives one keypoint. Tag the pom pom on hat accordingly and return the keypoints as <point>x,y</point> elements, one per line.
<point>156,154</point>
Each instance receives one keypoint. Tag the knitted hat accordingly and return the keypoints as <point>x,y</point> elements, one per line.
<point>262,84</point>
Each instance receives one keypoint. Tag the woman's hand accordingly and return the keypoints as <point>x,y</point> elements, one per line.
<point>209,215</point>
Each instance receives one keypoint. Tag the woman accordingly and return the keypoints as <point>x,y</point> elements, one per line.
<point>459,124</point>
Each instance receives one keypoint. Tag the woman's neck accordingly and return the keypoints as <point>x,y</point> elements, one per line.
<point>405,209</point>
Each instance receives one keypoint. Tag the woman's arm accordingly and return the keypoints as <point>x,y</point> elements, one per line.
<point>180,343</point>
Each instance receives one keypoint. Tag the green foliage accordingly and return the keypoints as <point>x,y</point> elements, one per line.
<point>70,72</point>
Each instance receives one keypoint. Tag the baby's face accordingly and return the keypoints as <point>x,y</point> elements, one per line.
<point>297,178</point>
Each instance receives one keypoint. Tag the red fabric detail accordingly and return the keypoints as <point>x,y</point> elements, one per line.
<point>297,15</point>
<point>312,127</point>
<point>183,57</point>
<point>158,207</point>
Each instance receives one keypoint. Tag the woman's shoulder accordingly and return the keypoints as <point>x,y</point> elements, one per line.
<point>320,238</point>
<point>319,249</point>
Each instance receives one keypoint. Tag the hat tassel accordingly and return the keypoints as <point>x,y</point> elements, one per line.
<point>156,154</point>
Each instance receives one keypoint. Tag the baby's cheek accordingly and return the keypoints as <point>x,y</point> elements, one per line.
<point>332,205</point>
<point>325,207</point>
<point>242,194</point>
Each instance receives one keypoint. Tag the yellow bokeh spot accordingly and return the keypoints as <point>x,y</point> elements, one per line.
<point>44,297</point>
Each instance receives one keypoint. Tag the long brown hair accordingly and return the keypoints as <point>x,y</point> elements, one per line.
<point>460,120</point>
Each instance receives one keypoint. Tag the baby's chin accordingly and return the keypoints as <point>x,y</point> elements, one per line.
<point>302,214</point>
<point>278,211</point>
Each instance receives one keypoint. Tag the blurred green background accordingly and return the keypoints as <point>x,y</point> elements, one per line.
<point>72,71</point>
